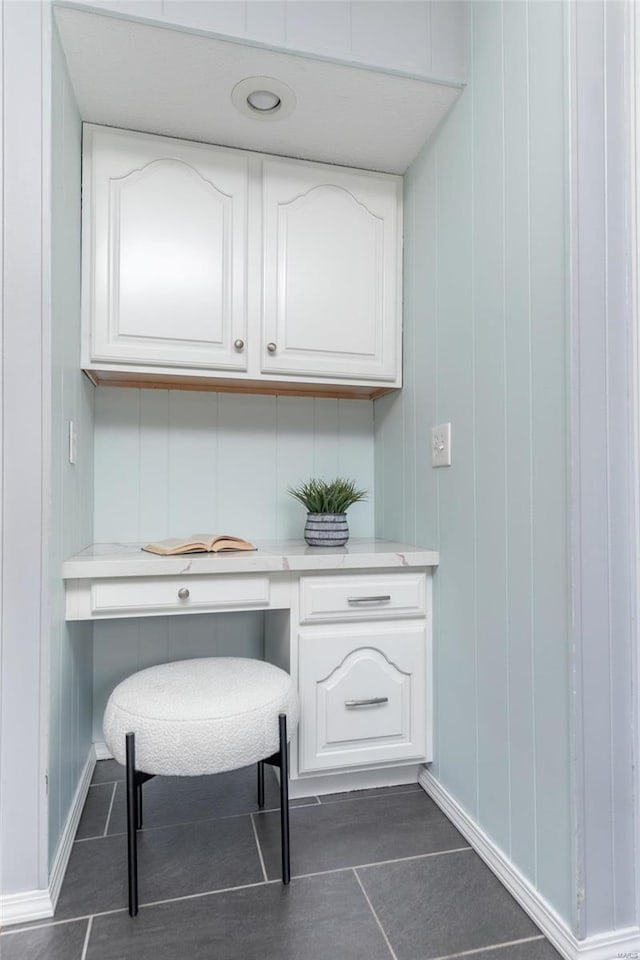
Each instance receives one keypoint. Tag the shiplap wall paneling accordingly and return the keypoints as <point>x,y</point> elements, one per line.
<point>549,226</point>
<point>490,454</point>
<point>124,646</point>
<point>605,630</point>
<point>71,648</point>
<point>426,38</point>
<point>172,463</point>
<point>518,439</point>
<point>486,315</point>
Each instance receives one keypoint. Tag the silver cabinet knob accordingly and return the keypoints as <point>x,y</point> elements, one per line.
<point>271,347</point>
<point>239,345</point>
<point>183,593</point>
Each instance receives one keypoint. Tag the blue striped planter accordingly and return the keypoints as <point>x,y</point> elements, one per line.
<point>326,529</point>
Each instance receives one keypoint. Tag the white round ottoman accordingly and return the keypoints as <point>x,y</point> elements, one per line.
<point>201,716</point>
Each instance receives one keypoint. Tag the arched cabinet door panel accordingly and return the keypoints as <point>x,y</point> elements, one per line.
<point>332,269</point>
<point>165,251</point>
<point>364,691</point>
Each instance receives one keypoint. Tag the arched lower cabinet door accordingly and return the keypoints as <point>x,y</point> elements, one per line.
<point>332,271</point>
<point>365,695</point>
<point>164,225</point>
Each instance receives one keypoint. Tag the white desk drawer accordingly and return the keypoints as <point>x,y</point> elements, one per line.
<point>177,594</point>
<point>365,695</point>
<point>369,596</point>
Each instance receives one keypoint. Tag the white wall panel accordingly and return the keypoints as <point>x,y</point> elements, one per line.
<point>319,27</point>
<point>265,21</point>
<point>219,16</point>
<point>604,587</point>
<point>427,38</point>
<point>25,447</point>
<point>392,33</point>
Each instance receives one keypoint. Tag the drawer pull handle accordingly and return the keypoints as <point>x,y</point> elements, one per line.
<point>183,593</point>
<point>383,598</point>
<point>372,701</point>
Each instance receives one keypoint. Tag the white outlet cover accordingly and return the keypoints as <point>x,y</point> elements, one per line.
<point>441,445</point>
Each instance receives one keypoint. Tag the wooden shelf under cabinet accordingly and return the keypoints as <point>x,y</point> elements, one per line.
<point>282,388</point>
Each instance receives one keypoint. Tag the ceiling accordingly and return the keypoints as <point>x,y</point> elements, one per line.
<point>159,80</point>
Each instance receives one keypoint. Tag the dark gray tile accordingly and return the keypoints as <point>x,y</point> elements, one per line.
<point>172,862</point>
<point>333,835</point>
<point>171,800</point>
<point>437,906</point>
<point>95,812</point>
<point>106,771</point>
<point>63,941</point>
<point>365,794</point>
<point>317,918</point>
<point>539,949</point>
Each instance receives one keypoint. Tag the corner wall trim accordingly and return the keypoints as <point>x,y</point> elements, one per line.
<point>40,904</point>
<point>601,946</point>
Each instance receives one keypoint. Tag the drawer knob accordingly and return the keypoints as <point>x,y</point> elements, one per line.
<point>183,593</point>
<point>239,345</point>
<point>383,598</point>
<point>371,702</point>
<point>271,347</point>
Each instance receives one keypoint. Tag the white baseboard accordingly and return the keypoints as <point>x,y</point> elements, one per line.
<point>314,786</point>
<point>25,907</point>
<point>102,750</point>
<point>602,946</point>
<point>40,904</point>
<point>68,835</point>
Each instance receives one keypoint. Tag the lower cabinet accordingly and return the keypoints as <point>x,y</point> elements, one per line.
<point>365,695</point>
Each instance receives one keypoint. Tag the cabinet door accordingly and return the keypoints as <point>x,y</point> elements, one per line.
<point>332,272</point>
<point>365,695</point>
<point>164,251</point>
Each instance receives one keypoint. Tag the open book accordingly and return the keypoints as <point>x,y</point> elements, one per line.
<point>198,543</point>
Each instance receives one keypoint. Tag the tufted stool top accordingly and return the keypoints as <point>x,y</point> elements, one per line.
<point>200,716</point>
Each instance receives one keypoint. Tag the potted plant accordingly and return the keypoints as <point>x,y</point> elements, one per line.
<point>327,502</point>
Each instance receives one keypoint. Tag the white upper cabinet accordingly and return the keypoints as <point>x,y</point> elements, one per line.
<point>331,271</point>
<point>164,273</point>
<point>223,269</point>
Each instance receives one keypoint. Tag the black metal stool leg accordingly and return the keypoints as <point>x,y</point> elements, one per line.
<point>139,806</point>
<point>132,818</point>
<point>261,783</point>
<point>284,799</point>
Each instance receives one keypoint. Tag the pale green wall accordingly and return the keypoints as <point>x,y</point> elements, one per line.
<point>70,649</point>
<point>486,331</point>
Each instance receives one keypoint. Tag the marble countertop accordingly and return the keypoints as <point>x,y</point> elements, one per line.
<point>129,560</point>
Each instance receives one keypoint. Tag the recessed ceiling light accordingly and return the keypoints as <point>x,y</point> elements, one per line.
<point>263,98</point>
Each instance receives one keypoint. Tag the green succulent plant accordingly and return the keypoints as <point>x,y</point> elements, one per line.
<point>328,496</point>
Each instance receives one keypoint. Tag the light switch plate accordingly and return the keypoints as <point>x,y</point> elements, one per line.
<point>441,445</point>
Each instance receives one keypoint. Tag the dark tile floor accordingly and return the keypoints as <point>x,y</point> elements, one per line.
<point>377,875</point>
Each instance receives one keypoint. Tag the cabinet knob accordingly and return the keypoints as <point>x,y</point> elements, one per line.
<point>271,347</point>
<point>238,344</point>
<point>183,593</point>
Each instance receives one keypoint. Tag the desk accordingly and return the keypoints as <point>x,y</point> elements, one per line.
<point>352,624</point>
